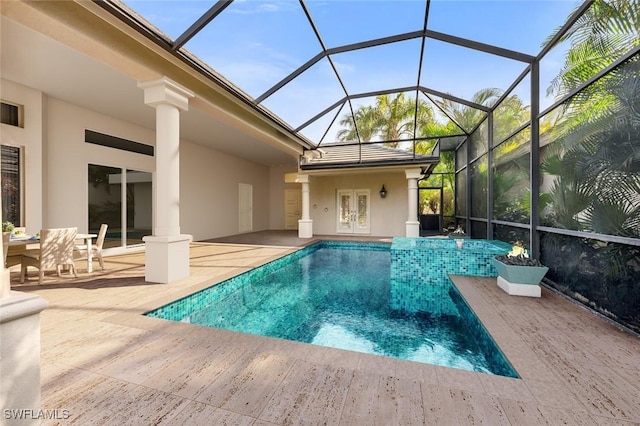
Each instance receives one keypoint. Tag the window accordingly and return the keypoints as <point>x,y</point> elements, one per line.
<point>11,185</point>
<point>11,114</point>
<point>114,142</point>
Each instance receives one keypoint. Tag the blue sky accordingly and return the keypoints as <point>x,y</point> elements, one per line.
<point>255,44</point>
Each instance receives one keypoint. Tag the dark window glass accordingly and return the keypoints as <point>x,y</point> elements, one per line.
<point>10,114</point>
<point>105,202</point>
<point>478,230</point>
<point>114,142</point>
<point>106,186</point>
<point>11,196</point>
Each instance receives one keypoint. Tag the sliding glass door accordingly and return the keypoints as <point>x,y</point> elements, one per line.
<point>122,199</point>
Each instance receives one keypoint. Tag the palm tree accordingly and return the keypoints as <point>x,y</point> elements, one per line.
<point>390,119</point>
<point>396,116</point>
<point>508,116</point>
<point>606,31</point>
<point>466,117</point>
<point>363,129</point>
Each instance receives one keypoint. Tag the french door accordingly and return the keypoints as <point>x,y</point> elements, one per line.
<point>353,211</point>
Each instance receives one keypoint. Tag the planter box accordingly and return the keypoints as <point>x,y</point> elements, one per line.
<point>517,274</point>
<point>517,280</point>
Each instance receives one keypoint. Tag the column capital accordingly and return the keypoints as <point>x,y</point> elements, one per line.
<point>413,173</point>
<point>302,178</point>
<point>296,178</point>
<point>165,91</point>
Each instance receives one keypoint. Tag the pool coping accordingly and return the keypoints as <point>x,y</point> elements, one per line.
<point>493,323</point>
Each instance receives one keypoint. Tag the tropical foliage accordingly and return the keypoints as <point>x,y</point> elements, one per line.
<point>605,32</point>
<point>511,188</point>
<point>391,118</point>
<point>593,160</point>
<point>591,164</point>
<point>466,117</point>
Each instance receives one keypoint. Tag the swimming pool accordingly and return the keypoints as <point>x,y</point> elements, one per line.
<point>340,294</point>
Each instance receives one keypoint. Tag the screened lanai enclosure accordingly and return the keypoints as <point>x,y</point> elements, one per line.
<point>523,116</point>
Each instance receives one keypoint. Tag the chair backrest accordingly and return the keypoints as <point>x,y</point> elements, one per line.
<point>56,246</point>
<point>6,237</point>
<point>101,235</point>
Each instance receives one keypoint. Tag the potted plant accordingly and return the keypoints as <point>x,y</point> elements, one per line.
<point>519,274</point>
<point>7,227</point>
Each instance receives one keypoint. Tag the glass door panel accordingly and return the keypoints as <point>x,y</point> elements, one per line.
<point>345,212</point>
<point>139,203</point>
<point>430,214</point>
<point>362,212</point>
<point>123,202</point>
<point>105,202</point>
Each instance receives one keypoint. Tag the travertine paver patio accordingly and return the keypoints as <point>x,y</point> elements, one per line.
<point>107,364</point>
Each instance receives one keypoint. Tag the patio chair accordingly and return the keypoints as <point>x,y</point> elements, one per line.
<point>96,249</point>
<point>12,260</point>
<point>56,249</point>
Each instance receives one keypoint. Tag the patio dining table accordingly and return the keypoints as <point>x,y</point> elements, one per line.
<point>20,244</point>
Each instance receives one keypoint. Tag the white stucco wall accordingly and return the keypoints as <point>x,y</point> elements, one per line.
<point>388,215</point>
<point>56,158</point>
<point>30,139</point>
<point>68,156</point>
<point>209,192</point>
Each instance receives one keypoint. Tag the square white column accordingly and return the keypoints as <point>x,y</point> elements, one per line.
<point>167,251</point>
<point>20,354</point>
<point>412,225</point>
<point>166,258</point>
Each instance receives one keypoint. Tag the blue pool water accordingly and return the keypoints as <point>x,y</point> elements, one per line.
<point>341,295</point>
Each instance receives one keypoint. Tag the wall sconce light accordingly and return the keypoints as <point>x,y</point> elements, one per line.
<point>383,191</point>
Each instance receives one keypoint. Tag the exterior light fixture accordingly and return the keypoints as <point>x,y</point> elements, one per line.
<point>383,191</point>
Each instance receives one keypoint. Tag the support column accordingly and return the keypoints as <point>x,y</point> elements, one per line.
<point>19,349</point>
<point>5,277</point>
<point>20,354</point>
<point>167,250</point>
<point>305,225</point>
<point>412,225</point>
